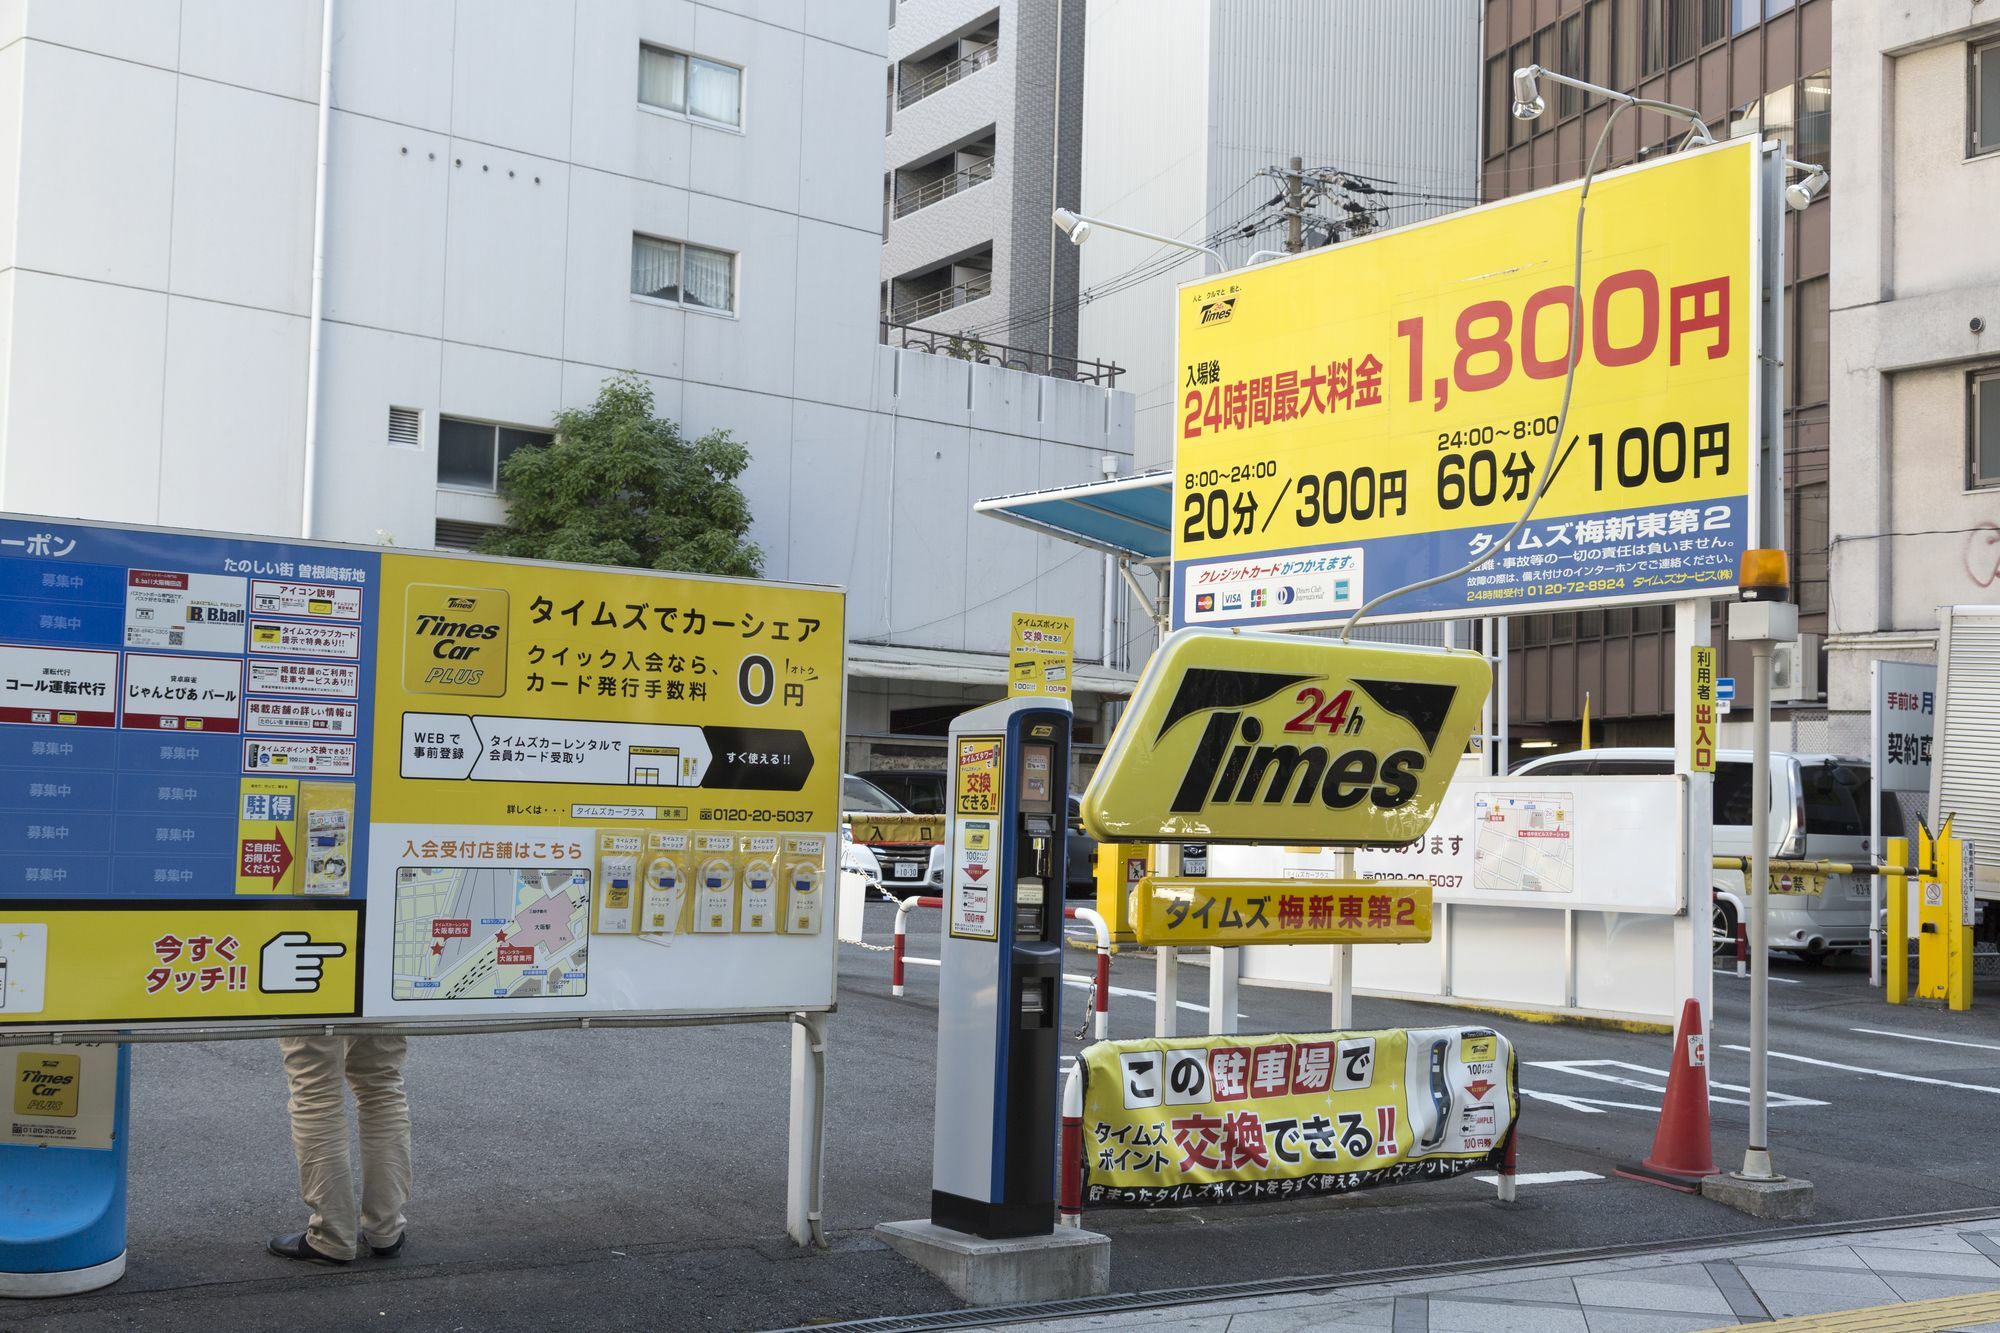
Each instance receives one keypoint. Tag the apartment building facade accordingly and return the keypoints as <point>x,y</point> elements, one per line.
<point>519,199</point>
<point>984,130</point>
<point>1915,500</point>
<point>1747,67</point>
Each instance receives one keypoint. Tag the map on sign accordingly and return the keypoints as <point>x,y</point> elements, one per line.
<point>476,933</point>
<point>1522,841</point>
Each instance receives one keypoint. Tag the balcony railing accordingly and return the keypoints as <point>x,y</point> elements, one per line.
<point>947,298</point>
<point>944,187</point>
<point>916,90</point>
<point>1026,359</point>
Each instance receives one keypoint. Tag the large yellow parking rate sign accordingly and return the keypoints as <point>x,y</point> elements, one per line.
<point>1369,415</point>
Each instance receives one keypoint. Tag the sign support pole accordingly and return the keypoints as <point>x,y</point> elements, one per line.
<point>1224,968</point>
<point>1166,961</point>
<point>805,1168</point>
<point>1694,946</point>
<point>1343,957</point>
<point>1876,763</point>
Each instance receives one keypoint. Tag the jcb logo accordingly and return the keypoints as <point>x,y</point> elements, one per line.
<point>455,640</point>
<point>1218,312</point>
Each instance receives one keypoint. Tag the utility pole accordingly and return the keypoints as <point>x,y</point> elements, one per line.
<point>1295,207</point>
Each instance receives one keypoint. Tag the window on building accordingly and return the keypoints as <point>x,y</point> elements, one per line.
<point>1499,104</point>
<point>688,275</point>
<point>1985,110</point>
<point>470,452</point>
<point>1745,14</point>
<point>1815,108</point>
<point>1808,368</point>
<point>1569,100</point>
<point>1683,29</point>
<point>1778,121</point>
<point>1597,33</point>
<point>1547,57</point>
<point>1984,464</point>
<point>1519,58</point>
<point>700,89</point>
<point>1714,21</point>
<point>1652,37</point>
<point>1773,8</point>
<point>1625,32</point>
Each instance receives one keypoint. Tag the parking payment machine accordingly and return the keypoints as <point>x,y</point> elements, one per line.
<point>1000,981</point>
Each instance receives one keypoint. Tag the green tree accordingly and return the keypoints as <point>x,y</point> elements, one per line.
<point>620,486</point>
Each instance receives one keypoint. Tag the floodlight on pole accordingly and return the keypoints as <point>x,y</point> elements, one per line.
<point>1080,229</point>
<point>1800,194</point>
<point>1528,101</point>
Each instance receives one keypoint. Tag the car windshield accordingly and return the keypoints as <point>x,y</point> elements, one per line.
<point>860,795</point>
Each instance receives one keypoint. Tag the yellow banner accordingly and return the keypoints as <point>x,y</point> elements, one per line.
<point>1039,659</point>
<point>193,963</point>
<point>873,829</point>
<point>1244,737</point>
<point>1408,385</point>
<point>514,694</point>
<point>1182,913</point>
<point>1178,1122</point>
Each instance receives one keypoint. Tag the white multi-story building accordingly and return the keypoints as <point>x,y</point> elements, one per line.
<point>1915,329</point>
<point>518,199</point>
<point>1185,101</point>
<point>985,131</point>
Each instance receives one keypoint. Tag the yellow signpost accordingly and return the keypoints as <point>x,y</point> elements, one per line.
<point>1040,655</point>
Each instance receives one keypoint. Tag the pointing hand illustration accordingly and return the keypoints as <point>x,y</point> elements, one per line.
<point>291,962</point>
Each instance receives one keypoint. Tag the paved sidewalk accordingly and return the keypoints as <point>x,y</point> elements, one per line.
<point>1935,1277</point>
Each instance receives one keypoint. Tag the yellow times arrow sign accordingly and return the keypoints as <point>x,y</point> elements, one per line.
<point>1239,737</point>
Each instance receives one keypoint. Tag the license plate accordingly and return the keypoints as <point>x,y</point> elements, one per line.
<point>906,870</point>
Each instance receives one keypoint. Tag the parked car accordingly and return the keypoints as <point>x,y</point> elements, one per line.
<point>1818,811</point>
<point>901,840</point>
<point>919,790</point>
<point>1080,880</point>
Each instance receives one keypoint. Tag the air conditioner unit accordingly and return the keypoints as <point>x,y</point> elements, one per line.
<point>1795,670</point>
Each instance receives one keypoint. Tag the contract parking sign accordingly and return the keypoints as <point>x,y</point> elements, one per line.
<point>1373,414</point>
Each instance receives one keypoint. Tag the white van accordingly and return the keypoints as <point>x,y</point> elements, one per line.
<point>1819,811</point>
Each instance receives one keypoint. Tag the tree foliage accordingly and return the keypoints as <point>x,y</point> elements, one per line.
<point>620,486</point>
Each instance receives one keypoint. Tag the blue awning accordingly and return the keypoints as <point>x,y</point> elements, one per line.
<point>1130,517</point>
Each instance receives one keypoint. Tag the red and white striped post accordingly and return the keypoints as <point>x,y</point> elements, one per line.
<point>1508,1161</point>
<point>1742,950</point>
<point>1069,1192</point>
<point>1102,1000</point>
<point>901,941</point>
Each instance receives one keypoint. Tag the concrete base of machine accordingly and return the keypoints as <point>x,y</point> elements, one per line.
<point>1782,1199</point>
<point>1062,1265</point>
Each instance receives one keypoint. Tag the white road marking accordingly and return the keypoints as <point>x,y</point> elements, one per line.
<point>1544,1178</point>
<point>1587,1105</point>
<point>1936,1041</point>
<point>1594,1068</point>
<point>1879,1073</point>
<point>1086,983</point>
<point>1782,981</point>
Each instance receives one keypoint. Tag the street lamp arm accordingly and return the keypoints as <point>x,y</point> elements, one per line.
<point>1528,102</point>
<point>1078,228</point>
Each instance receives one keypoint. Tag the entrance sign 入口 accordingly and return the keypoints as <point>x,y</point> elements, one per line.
<point>1174,1123</point>
<point>1244,737</point>
<point>264,781</point>
<point>1375,413</point>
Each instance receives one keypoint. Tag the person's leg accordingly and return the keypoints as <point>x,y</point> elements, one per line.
<point>375,1071</point>
<point>319,1139</point>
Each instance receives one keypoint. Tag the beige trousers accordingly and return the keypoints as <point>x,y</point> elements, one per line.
<point>317,1068</point>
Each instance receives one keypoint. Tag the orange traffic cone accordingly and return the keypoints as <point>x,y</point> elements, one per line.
<point>1682,1154</point>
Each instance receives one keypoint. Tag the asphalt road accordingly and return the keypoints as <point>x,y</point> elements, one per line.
<point>635,1179</point>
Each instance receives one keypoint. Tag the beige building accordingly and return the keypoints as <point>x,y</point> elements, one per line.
<point>1915,383</point>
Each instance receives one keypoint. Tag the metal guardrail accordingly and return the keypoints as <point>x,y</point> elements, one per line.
<point>948,298</point>
<point>897,333</point>
<point>978,58</point>
<point>937,191</point>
